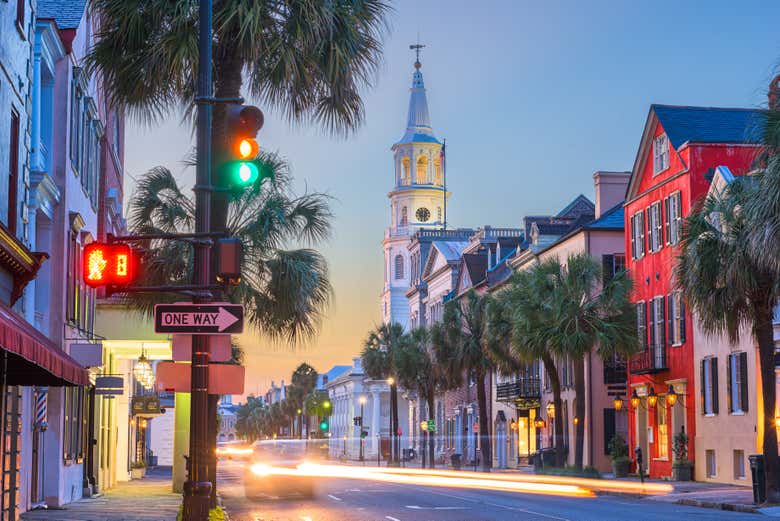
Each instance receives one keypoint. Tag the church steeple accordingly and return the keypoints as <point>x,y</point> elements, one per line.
<point>418,121</point>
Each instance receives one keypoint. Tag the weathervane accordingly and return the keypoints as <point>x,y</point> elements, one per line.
<point>416,48</point>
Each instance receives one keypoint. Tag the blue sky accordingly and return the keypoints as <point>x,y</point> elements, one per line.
<point>532,99</point>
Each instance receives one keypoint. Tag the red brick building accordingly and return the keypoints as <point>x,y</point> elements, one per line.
<point>679,150</point>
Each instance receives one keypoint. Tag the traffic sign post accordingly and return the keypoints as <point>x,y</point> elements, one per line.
<point>199,319</point>
<point>431,426</point>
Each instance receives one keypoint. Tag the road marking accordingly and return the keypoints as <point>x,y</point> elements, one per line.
<point>334,498</point>
<point>417,507</point>
<point>391,518</point>
<point>499,505</point>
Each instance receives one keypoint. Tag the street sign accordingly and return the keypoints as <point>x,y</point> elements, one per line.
<point>219,348</point>
<point>199,319</point>
<point>223,378</point>
<point>431,426</point>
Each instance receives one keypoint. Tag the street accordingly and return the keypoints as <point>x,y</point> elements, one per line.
<point>353,500</point>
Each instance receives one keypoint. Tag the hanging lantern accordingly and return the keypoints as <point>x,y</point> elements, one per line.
<point>671,396</point>
<point>652,398</point>
<point>576,420</point>
<point>551,410</point>
<point>634,400</point>
<point>142,369</point>
<point>617,403</point>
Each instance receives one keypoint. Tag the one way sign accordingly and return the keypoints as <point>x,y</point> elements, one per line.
<point>199,319</point>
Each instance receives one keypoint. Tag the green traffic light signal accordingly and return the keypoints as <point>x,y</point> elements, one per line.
<point>323,425</point>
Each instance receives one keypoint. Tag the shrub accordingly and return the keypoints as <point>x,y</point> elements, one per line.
<point>680,447</point>
<point>618,448</point>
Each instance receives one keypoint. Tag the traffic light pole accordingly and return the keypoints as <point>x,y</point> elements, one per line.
<point>197,488</point>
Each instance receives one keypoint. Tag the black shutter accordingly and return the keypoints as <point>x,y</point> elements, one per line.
<point>670,317</point>
<point>703,386</point>
<point>744,381</point>
<point>609,428</point>
<point>667,219</point>
<point>729,389</point>
<point>607,268</point>
<point>633,236</point>
<point>714,367</point>
<point>651,324</point>
<point>682,319</point>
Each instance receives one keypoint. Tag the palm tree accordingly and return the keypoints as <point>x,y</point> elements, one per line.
<point>461,347</point>
<point>378,358</point>
<point>419,371</point>
<point>588,316</point>
<point>522,314</point>
<point>303,382</point>
<point>729,284</point>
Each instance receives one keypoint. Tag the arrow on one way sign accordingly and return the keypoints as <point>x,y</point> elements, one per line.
<point>199,319</point>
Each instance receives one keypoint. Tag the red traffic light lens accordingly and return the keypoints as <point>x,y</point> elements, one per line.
<point>104,264</point>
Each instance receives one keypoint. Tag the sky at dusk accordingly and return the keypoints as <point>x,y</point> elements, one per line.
<point>532,97</point>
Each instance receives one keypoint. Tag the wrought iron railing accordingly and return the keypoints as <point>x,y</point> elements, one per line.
<point>615,371</point>
<point>520,388</point>
<point>654,359</point>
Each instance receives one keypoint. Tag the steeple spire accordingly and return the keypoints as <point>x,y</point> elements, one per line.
<point>418,121</point>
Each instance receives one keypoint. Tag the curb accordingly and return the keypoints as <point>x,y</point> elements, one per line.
<point>718,506</point>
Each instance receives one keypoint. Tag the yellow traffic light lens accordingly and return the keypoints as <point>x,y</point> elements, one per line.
<point>247,148</point>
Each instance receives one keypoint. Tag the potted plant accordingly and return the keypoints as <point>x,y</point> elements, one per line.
<point>137,469</point>
<point>682,468</point>
<point>618,451</point>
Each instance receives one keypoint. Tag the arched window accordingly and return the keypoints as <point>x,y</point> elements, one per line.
<point>404,216</point>
<point>399,267</point>
<point>406,165</point>
<point>422,170</point>
<point>437,179</point>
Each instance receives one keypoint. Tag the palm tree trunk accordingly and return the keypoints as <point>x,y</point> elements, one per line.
<point>555,383</point>
<point>484,432</point>
<point>764,333</point>
<point>431,436</point>
<point>579,411</point>
<point>394,435</point>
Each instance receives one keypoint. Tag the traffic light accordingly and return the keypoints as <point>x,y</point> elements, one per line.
<point>242,167</point>
<point>324,425</point>
<point>104,264</point>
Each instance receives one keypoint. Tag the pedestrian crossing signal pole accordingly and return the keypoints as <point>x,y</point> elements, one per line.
<point>197,488</point>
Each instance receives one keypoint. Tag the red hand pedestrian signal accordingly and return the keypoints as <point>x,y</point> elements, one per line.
<point>104,264</point>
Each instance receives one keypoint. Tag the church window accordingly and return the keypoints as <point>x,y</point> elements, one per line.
<point>438,213</point>
<point>399,267</point>
<point>437,180</point>
<point>406,179</point>
<point>404,216</point>
<point>422,170</point>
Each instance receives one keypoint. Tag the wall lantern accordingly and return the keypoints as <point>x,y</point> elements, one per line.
<point>671,396</point>
<point>576,420</point>
<point>652,398</point>
<point>634,400</point>
<point>617,403</point>
<point>551,410</point>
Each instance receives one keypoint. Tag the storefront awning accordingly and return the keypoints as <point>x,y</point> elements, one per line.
<point>32,358</point>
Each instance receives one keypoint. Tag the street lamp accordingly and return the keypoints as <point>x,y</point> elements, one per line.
<point>390,380</point>
<point>300,423</point>
<point>617,403</point>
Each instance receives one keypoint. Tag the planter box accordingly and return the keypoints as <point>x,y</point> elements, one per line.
<point>620,468</point>
<point>682,472</point>
<point>138,473</point>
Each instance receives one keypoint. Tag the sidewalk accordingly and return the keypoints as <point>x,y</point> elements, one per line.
<point>148,499</point>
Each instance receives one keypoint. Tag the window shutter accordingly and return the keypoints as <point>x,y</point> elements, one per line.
<point>607,268</point>
<point>641,227</point>
<point>649,225</point>
<point>744,381</point>
<point>714,367</point>
<point>681,300</point>
<point>729,384</point>
<point>661,322</point>
<point>652,323</point>
<point>633,237</point>
<point>703,386</point>
<point>609,428</point>
<point>667,219</point>
<point>659,225</point>
<point>670,316</point>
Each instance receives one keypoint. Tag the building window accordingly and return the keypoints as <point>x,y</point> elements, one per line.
<point>660,154</point>
<point>405,167</point>
<point>13,173</point>
<point>638,235</point>
<point>421,176</point>
<point>20,13</point>
<point>74,297</point>
<point>657,317</point>
<point>73,432</point>
<point>739,464</point>
<point>654,228</point>
<point>709,385</point>
<point>676,315</point>
<point>76,115</point>
<point>663,429</point>
<point>404,216</point>
<point>641,322</point>
<point>437,180</point>
<point>611,265</point>
<point>399,267</point>
<point>737,383</point>
<point>438,213</point>
<point>710,461</point>
<point>673,218</point>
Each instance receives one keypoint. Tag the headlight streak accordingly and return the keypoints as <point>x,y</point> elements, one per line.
<point>460,480</point>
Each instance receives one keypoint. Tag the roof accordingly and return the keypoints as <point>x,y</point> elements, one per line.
<point>710,124</point>
<point>332,374</point>
<point>580,205</point>
<point>476,266</point>
<point>418,120</point>
<point>450,250</point>
<point>612,219</point>
<point>67,13</point>
<point>552,228</point>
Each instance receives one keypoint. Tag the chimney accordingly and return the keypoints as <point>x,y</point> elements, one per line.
<point>610,189</point>
<point>357,365</point>
<point>774,93</point>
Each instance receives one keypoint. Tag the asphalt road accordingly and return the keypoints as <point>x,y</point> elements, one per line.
<point>353,500</point>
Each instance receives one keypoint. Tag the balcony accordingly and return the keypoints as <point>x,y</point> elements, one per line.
<point>615,371</point>
<point>654,359</point>
<point>524,392</point>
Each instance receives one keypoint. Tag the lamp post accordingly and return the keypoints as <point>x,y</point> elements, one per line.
<point>391,383</point>
<point>300,424</point>
<point>362,401</point>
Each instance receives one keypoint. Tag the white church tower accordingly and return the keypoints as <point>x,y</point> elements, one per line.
<point>417,200</point>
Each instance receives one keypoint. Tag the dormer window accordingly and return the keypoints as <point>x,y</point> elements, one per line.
<point>660,154</point>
